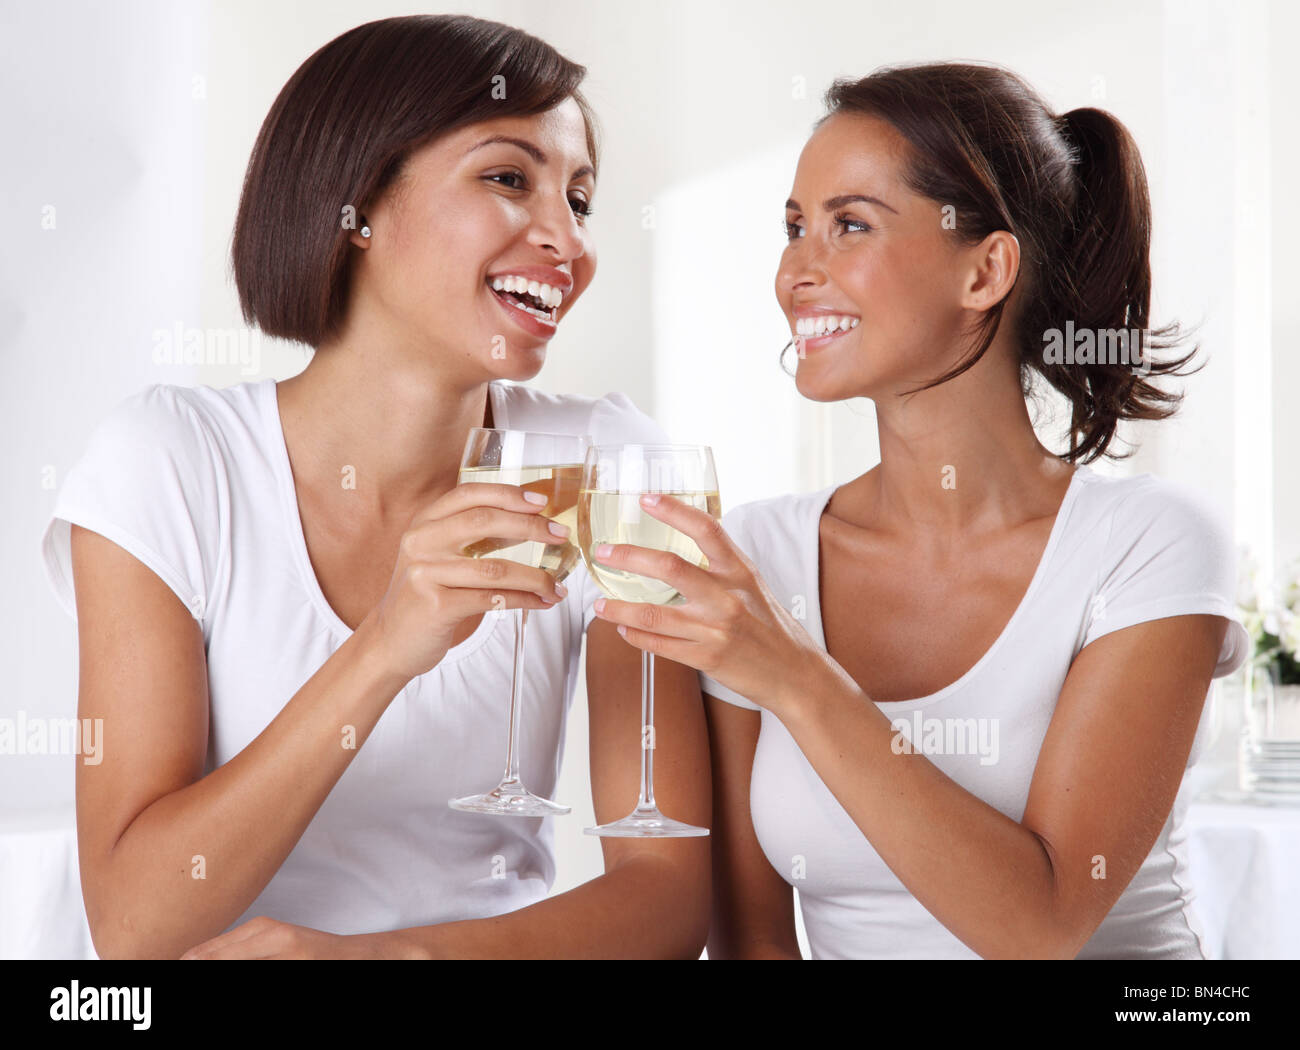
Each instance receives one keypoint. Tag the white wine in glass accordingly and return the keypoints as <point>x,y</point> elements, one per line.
<point>552,465</point>
<point>559,484</point>
<point>614,478</point>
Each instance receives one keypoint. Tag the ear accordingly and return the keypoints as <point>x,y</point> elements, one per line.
<point>994,264</point>
<point>354,236</point>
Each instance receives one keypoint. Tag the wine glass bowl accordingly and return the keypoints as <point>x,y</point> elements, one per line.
<point>618,517</point>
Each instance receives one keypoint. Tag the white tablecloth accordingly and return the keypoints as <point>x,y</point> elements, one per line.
<point>1245,862</point>
<point>1245,869</point>
<point>41,914</point>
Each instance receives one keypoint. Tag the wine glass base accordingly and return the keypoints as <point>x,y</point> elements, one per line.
<point>647,824</point>
<point>509,802</point>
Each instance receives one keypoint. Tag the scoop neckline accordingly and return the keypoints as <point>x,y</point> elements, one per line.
<point>297,537</point>
<point>1081,472</point>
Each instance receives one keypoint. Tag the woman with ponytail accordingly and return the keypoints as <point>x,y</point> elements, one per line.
<point>953,700</point>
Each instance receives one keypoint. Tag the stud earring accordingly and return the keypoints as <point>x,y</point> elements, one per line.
<point>365,231</point>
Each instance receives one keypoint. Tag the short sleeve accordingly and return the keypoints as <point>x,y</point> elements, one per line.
<point>733,522</point>
<point>149,481</point>
<point>615,420</point>
<point>1168,554</point>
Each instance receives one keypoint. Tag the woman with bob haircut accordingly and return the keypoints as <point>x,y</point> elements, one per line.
<point>953,701</point>
<point>269,576</point>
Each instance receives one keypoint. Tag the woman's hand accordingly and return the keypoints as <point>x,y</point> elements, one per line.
<point>264,938</point>
<point>434,586</point>
<point>731,626</point>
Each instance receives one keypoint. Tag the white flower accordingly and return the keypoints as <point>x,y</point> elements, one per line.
<point>1289,588</point>
<point>1272,620</point>
<point>1290,633</point>
<point>1254,624</point>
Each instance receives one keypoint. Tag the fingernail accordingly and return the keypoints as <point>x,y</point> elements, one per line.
<point>599,605</point>
<point>604,550</point>
<point>558,529</point>
<point>650,499</point>
<point>535,497</point>
<point>561,590</point>
<point>548,599</point>
<point>622,630</point>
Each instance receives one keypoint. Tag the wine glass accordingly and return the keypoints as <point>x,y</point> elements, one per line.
<point>614,478</point>
<point>552,465</point>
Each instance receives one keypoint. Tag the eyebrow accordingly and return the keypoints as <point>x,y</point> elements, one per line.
<point>839,202</point>
<point>531,150</point>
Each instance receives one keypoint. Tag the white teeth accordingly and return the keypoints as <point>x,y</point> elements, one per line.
<point>539,314</point>
<point>545,293</point>
<point>823,324</point>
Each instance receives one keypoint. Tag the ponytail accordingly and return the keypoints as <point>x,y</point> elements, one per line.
<point>1104,285</point>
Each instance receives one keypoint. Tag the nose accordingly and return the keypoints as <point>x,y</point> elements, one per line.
<point>555,229</point>
<point>800,268</point>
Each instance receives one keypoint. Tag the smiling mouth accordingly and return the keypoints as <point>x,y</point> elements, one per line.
<point>823,324</point>
<point>531,297</point>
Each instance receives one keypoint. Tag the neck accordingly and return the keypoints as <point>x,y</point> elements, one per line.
<point>958,460</point>
<point>398,420</point>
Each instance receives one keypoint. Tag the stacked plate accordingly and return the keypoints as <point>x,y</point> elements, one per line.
<point>1270,768</point>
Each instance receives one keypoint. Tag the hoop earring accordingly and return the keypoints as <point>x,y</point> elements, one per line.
<point>781,359</point>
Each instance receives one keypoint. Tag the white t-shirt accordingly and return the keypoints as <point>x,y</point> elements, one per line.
<point>1121,552</point>
<point>195,482</point>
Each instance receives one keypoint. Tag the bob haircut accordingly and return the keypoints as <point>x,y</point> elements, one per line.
<point>340,132</point>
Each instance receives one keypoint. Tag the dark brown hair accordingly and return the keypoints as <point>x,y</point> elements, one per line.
<point>1073,191</point>
<point>340,132</point>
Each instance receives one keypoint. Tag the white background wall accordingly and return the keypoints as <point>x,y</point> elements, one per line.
<point>97,123</point>
<point>136,121</point>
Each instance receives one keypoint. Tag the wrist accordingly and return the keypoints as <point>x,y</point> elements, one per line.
<point>809,688</point>
<point>416,943</point>
<point>371,661</point>
<point>391,944</point>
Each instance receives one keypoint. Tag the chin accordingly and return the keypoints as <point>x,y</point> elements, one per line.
<point>823,388</point>
<point>520,364</point>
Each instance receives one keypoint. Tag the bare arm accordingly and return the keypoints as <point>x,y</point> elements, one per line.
<point>1109,768</point>
<point>653,900</point>
<point>149,821</point>
<point>753,907</point>
<point>146,812</point>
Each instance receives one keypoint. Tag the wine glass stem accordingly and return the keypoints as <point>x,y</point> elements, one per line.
<point>516,690</point>
<point>646,800</point>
